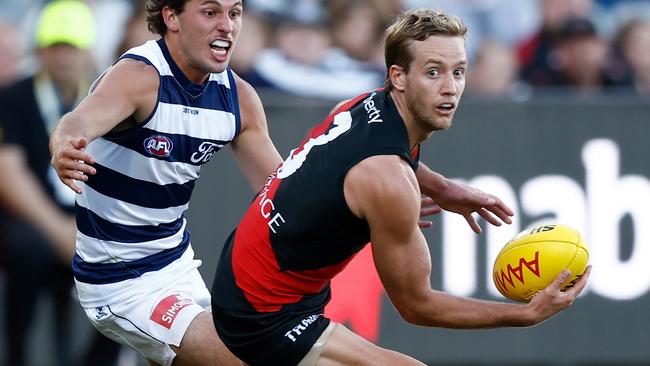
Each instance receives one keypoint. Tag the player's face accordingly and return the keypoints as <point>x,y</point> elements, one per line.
<point>436,80</point>
<point>208,31</point>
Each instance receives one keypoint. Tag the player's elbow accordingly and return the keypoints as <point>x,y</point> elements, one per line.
<point>423,310</point>
<point>410,312</point>
<point>411,304</point>
<point>410,317</point>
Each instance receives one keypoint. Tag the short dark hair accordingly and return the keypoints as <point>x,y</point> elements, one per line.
<point>417,25</point>
<point>155,20</point>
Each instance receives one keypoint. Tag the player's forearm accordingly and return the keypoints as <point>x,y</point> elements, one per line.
<point>257,158</point>
<point>431,183</point>
<point>443,310</point>
<point>70,127</point>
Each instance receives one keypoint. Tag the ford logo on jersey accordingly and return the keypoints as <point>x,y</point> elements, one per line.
<point>160,146</point>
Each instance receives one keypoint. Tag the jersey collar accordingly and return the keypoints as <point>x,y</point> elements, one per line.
<point>192,89</point>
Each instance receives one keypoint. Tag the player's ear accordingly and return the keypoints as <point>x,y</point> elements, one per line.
<point>397,76</point>
<point>170,18</point>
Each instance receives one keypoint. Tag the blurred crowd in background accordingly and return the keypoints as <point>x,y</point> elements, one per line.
<point>333,48</point>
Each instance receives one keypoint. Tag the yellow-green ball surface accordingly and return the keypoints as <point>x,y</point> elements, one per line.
<point>532,260</point>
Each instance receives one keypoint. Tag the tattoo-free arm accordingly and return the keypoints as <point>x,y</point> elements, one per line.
<point>128,88</point>
<point>463,200</point>
<point>384,191</point>
<point>254,151</point>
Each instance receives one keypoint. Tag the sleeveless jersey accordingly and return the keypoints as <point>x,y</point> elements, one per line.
<point>131,215</point>
<point>299,231</point>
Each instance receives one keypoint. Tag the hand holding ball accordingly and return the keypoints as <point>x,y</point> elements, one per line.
<point>535,257</point>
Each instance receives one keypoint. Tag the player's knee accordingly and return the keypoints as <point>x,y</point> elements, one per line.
<point>201,345</point>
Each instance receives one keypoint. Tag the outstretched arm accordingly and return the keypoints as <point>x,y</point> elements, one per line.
<point>441,193</point>
<point>128,88</point>
<point>384,191</point>
<point>254,152</point>
<point>464,200</point>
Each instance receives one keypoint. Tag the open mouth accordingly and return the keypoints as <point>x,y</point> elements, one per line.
<point>446,107</point>
<point>220,47</point>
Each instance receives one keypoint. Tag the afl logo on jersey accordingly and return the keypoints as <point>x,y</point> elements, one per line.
<point>159,146</point>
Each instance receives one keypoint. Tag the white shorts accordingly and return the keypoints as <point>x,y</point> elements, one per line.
<point>150,324</point>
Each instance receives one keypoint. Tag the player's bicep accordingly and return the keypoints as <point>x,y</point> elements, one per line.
<point>404,267</point>
<point>383,190</point>
<point>128,88</point>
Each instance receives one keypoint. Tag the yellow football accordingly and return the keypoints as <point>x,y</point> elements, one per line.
<point>533,259</point>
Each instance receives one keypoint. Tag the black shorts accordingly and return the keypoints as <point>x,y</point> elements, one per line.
<point>278,338</point>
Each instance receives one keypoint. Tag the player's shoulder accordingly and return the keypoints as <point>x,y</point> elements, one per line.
<point>130,75</point>
<point>383,172</point>
<point>339,105</point>
<point>381,185</point>
<point>245,91</point>
<point>366,100</point>
<point>250,105</point>
<point>133,66</point>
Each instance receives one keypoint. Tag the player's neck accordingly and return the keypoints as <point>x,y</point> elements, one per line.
<point>414,129</point>
<point>180,58</point>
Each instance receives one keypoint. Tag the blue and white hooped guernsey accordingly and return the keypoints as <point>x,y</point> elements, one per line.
<point>131,215</point>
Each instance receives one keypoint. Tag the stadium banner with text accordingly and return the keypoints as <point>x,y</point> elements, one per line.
<point>584,163</point>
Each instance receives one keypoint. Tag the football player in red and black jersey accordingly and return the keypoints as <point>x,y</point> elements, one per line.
<point>354,180</point>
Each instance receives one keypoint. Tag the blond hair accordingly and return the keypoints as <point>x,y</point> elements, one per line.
<point>417,25</point>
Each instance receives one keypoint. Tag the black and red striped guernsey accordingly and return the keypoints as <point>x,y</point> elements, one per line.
<point>299,231</point>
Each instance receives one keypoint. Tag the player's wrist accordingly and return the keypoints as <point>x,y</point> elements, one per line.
<point>530,314</point>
